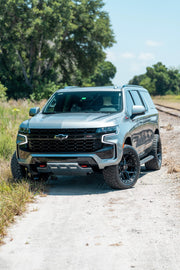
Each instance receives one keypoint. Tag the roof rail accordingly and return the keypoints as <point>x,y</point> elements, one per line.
<point>132,85</point>
<point>70,86</point>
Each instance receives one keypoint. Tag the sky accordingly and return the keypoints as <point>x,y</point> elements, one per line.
<point>146,32</point>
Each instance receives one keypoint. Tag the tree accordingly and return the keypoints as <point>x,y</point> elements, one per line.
<point>149,84</point>
<point>174,75</point>
<point>103,74</point>
<point>137,79</point>
<point>44,41</point>
<point>159,80</point>
<point>159,76</point>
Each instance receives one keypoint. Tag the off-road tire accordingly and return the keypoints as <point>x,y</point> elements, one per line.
<point>126,173</point>
<point>155,163</point>
<point>18,171</point>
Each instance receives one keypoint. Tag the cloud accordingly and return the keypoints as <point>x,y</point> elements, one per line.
<point>152,43</point>
<point>146,56</point>
<point>128,55</point>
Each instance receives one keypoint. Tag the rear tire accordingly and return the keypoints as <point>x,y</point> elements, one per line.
<point>126,173</point>
<point>155,163</point>
<point>18,171</point>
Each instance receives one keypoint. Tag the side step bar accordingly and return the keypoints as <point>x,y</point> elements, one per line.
<point>146,159</point>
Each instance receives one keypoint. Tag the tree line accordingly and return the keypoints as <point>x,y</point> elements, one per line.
<point>159,80</point>
<point>47,44</point>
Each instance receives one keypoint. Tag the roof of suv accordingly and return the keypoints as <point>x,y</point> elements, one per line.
<point>89,89</point>
<point>95,88</point>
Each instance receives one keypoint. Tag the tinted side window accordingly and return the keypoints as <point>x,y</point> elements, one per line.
<point>143,100</point>
<point>146,96</point>
<point>129,103</point>
<point>136,98</point>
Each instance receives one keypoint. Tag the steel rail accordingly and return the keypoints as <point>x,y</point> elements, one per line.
<point>167,112</point>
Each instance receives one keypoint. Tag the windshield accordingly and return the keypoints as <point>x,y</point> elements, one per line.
<point>105,101</point>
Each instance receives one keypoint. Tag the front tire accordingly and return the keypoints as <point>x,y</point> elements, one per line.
<point>18,171</point>
<point>126,173</point>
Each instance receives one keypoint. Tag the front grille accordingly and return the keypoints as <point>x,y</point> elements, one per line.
<point>79,140</point>
<point>50,133</point>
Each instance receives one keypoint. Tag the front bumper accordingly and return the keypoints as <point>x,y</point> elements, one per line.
<point>92,160</point>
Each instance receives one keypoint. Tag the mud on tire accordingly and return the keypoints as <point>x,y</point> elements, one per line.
<point>125,174</point>
<point>155,163</point>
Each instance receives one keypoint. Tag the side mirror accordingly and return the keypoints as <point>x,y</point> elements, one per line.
<point>138,110</point>
<point>34,111</point>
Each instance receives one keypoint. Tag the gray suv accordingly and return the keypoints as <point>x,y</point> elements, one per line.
<point>80,131</point>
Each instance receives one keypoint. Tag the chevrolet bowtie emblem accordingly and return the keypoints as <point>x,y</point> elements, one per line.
<point>61,137</point>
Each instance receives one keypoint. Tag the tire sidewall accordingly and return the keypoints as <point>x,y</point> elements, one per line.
<point>158,145</point>
<point>18,171</point>
<point>129,150</point>
<point>112,175</point>
<point>156,162</point>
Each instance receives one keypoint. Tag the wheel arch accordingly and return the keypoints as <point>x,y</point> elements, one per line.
<point>156,131</point>
<point>128,141</point>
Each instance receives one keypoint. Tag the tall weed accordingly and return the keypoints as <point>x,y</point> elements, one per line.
<point>13,199</point>
<point>13,196</point>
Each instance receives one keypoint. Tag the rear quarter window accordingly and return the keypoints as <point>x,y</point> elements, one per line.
<point>147,99</point>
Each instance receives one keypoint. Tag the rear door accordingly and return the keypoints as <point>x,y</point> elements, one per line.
<point>143,139</point>
<point>141,132</point>
<point>150,119</point>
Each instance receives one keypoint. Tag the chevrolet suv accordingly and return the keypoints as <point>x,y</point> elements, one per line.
<point>112,130</point>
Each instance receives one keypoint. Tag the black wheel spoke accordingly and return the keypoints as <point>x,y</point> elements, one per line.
<point>127,169</point>
<point>126,173</point>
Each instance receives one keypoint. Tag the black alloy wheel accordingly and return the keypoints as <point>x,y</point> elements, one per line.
<point>126,173</point>
<point>128,169</point>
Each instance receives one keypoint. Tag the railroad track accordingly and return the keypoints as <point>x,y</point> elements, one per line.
<point>168,110</point>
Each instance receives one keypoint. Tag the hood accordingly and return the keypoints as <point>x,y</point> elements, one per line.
<point>72,120</point>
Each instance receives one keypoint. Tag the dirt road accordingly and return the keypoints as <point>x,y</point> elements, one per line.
<point>83,224</point>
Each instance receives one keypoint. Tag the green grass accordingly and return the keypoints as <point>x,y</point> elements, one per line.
<point>12,113</point>
<point>169,100</point>
<point>13,196</point>
<point>13,199</point>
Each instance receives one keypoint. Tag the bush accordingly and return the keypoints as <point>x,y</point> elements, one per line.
<point>170,92</point>
<point>3,90</point>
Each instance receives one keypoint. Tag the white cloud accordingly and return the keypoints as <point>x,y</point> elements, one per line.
<point>152,43</point>
<point>146,56</point>
<point>128,55</point>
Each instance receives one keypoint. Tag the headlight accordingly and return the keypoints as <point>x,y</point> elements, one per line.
<point>106,130</point>
<point>21,139</point>
<point>24,130</point>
